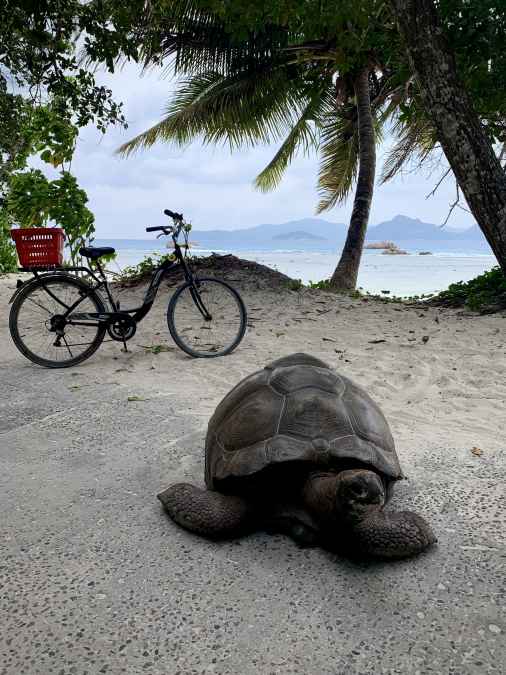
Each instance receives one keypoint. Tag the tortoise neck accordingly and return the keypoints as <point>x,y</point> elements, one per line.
<point>319,494</point>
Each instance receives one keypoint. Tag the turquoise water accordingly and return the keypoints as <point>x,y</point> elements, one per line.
<point>402,275</point>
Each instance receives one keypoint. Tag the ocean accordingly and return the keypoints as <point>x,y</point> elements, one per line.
<point>400,275</point>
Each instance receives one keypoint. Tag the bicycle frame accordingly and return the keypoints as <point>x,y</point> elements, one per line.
<point>138,313</point>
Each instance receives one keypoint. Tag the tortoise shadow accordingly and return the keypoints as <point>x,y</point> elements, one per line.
<point>341,553</point>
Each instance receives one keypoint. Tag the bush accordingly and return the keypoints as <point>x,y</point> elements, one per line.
<point>145,268</point>
<point>8,257</point>
<point>295,285</point>
<point>323,285</point>
<point>486,290</point>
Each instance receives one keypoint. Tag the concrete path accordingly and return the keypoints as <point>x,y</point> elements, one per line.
<point>95,579</point>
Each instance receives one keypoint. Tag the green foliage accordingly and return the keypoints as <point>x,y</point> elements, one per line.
<point>40,54</point>
<point>30,198</point>
<point>322,285</point>
<point>145,268</point>
<point>241,108</point>
<point>51,135</point>
<point>47,92</point>
<point>476,32</point>
<point>35,201</point>
<point>295,285</point>
<point>8,259</point>
<point>486,290</point>
<point>303,20</point>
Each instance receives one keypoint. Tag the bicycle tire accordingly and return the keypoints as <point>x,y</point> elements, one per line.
<point>31,287</point>
<point>198,284</point>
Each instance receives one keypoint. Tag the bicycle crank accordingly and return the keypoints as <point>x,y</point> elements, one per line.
<point>122,329</point>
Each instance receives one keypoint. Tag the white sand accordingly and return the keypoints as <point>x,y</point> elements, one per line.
<point>451,389</point>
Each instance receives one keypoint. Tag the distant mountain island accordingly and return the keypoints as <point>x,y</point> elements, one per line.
<point>316,234</point>
<point>298,235</point>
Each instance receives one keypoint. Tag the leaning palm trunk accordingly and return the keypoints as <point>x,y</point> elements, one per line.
<point>346,272</point>
<point>450,109</point>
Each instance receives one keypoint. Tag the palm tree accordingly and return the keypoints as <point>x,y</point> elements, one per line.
<point>265,90</point>
<point>346,273</point>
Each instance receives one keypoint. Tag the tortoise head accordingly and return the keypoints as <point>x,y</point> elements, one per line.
<point>351,495</point>
<point>358,493</point>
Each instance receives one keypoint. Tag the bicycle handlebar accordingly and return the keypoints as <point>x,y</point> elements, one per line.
<point>159,228</point>
<point>169,229</point>
<point>172,214</point>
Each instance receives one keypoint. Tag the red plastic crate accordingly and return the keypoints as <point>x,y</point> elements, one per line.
<point>39,246</point>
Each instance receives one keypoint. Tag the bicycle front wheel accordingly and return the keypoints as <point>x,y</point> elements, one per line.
<point>42,329</point>
<point>207,318</point>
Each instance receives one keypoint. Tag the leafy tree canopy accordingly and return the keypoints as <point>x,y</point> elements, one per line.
<point>47,92</point>
<point>476,31</point>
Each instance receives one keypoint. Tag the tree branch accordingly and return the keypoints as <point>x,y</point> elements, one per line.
<point>433,192</point>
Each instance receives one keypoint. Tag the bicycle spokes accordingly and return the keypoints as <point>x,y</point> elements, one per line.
<point>43,327</point>
<point>207,318</point>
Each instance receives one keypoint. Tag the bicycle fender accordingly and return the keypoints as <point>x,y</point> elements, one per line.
<point>21,285</point>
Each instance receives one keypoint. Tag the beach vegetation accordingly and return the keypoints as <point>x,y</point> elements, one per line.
<point>486,291</point>
<point>295,285</point>
<point>145,268</point>
<point>8,258</point>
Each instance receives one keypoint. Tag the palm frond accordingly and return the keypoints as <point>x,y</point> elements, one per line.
<point>339,161</point>
<point>339,151</point>
<point>416,139</point>
<point>303,135</point>
<point>195,40</point>
<point>184,118</point>
<point>238,109</point>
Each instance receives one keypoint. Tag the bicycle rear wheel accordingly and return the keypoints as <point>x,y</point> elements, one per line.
<point>206,318</point>
<point>39,329</point>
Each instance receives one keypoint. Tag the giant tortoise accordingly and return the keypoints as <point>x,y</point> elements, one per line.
<point>299,449</point>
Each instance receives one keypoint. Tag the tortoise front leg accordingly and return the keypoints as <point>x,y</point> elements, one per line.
<point>391,535</point>
<point>210,514</point>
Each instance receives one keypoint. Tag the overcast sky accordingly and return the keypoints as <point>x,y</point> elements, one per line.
<point>212,187</point>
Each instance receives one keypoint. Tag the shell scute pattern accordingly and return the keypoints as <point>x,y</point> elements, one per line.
<point>311,413</point>
<point>254,420</point>
<point>249,385</point>
<point>287,380</point>
<point>366,417</point>
<point>287,448</point>
<point>296,410</point>
<point>298,359</point>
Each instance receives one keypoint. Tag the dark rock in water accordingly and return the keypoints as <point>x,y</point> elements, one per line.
<point>394,251</point>
<point>386,247</point>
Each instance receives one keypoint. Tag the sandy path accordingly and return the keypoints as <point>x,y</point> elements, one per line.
<point>88,552</point>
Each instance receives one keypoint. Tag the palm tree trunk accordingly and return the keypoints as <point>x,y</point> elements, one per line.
<point>460,132</point>
<point>346,272</point>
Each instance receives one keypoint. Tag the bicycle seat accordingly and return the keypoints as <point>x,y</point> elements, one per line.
<point>94,252</point>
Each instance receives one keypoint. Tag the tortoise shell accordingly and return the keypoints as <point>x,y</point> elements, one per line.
<point>296,410</point>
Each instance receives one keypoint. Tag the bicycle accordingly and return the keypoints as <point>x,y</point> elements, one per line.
<point>57,312</point>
